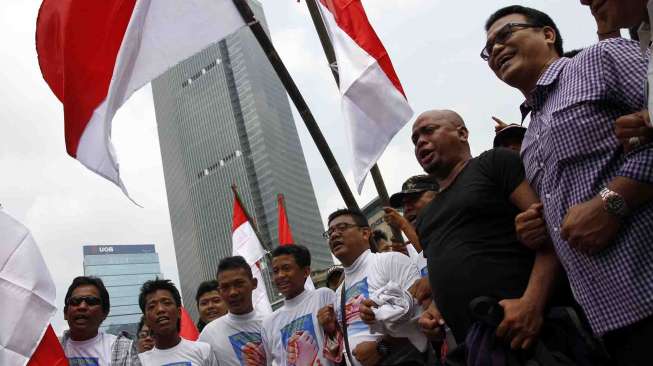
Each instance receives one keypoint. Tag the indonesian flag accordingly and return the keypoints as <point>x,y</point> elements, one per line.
<point>373,101</point>
<point>187,329</point>
<point>247,245</point>
<point>95,54</point>
<point>27,300</point>
<point>285,235</point>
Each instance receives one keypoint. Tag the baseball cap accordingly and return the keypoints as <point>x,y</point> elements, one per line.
<point>511,132</point>
<point>415,184</point>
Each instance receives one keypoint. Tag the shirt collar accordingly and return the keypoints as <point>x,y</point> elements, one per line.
<point>549,76</point>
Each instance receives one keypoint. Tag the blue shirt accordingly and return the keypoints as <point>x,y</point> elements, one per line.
<point>570,153</point>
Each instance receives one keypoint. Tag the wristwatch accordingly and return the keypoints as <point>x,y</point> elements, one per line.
<point>382,348</point>
<point>614,203</point>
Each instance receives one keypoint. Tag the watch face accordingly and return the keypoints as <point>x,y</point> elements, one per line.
<point>615,204</point>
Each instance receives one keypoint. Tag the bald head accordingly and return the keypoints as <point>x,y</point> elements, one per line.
<point>440,138</point>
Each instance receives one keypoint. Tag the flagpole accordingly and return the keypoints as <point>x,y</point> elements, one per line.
<point>297,98</point>
<point>330,54</point>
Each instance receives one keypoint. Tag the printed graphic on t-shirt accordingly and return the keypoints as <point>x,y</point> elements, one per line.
<point>300,341</point>
<point>354,296</point>
<point>247,345</point>
<point>180,363</point>
<point>424,272</point>
<point>83,361</point>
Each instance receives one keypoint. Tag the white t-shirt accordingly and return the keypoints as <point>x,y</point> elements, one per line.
<point>419,259</point>
<point>228,335</point>
<point>186,353</point>
<point>367,274</point>
<point>92,352</point>
<point>295,326</point>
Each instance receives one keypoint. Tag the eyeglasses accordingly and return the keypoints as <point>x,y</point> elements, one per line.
<point>338,227</point>
<point>89,300</point>
<point>502,36</point>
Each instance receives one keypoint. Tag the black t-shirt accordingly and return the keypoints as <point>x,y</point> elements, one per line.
<point>468,232</point>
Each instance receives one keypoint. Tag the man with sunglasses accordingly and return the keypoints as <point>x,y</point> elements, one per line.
<point>365,273</point>
<point>597,199</point>
<point>86,305</point>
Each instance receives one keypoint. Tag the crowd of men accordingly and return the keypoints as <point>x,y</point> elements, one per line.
<point>535,252</point>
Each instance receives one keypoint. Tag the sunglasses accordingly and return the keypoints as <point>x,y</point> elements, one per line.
<point>89,300</point>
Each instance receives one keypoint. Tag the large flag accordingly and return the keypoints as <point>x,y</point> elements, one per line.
<point>27,298</point>
<point>285,234</point>
<point>247,245</point>
<point>373,101</point>
<point>95,54</point>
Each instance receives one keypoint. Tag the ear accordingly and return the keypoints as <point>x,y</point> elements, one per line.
<point>307,272</point>
<point>463,133</point>
<point>366,232</point>
<point>550,36</point>
<point>254,283</point>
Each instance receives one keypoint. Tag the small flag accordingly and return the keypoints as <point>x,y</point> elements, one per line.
<point>187,330</point>
<point>285,234</point>
<point>49,352</point>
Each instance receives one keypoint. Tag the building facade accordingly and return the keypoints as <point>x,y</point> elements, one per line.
<point>123,269</point>
<point>224,118</point>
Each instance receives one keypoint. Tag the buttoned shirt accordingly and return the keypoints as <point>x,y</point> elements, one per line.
<point>570,153</point>
<point>645,36</point>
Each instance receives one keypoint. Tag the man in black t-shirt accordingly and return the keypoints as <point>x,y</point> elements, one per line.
<point>468,232</point>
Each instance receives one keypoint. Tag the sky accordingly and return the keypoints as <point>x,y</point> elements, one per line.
<point>434,46</point>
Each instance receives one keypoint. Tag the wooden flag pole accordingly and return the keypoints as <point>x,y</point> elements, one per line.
<point>330,54</point>
<point>297,98</point>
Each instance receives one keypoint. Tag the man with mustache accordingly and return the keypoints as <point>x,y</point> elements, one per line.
<point>161,304</point>
<point>597,198</point>
<point>86,305</point>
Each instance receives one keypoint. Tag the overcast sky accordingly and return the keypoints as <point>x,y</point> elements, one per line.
<point>434,46</point>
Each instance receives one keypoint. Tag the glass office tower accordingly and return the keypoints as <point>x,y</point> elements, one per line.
<point>223,118</point>
<point>123,269</point>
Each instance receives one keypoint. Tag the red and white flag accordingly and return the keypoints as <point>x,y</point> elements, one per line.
<point>27,299</point>
<point>285,234</point>
<point>187,328</point>
<point>373,101</point>
<point>247,245</point>
<point>95,54</point>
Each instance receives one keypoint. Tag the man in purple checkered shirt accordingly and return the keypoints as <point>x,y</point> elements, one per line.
<point>597,200</point>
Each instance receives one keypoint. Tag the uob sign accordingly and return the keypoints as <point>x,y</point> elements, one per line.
<point>105,249</point>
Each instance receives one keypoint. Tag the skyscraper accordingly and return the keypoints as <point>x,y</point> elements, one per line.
<point>123,269</point>
<point>223,118</point>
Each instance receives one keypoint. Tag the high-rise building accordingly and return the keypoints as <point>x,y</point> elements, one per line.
<point>224,118</point>
<point>123,269</point>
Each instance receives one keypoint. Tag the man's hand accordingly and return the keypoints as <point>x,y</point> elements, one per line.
<point>521,323</point>
<point>588,227</point>
<point>421,290</point>
<point>634,130</point>
<point>432,323</point>
<point>366,313</point>
<point>394,218</point>
<point>253,354</point>
<point>531,228</point>
<point>366,354</point>
<point>327,319</point>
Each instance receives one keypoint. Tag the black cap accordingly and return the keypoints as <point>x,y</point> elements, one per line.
<point>333,270</point>
<point>414,184</point>
<point>512,132</point>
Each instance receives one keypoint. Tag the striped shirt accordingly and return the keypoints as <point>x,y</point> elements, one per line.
<point>570,153</point>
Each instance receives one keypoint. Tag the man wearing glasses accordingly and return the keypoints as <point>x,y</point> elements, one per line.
<point>596,197</point>
<point>365,273</point>
<point>86,305</point>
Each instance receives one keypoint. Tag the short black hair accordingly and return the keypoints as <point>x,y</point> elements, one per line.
<point>572,53</point>
<point>234,262</point>
<point>152,286</point>
<point>533,16</point>
<point>301,254</point>
<point>379,235</point>
<point>357,215</point>
<point>204,287</point>
<point>93,281</point>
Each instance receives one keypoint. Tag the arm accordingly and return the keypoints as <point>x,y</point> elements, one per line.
<point>396,220</point>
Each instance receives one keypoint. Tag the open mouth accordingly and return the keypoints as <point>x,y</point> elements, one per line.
<point>162,320</point>
<point>503,60</point>
<point>80,319</point>
<point>336,244</point>
<point>425,156</point>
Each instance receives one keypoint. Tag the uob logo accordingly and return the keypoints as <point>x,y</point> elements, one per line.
<point>105,250</point>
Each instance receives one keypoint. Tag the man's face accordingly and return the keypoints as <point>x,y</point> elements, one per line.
<point>348,242</point>
<point>435,140</point>
<point>211,306</point>
<point>414,203</point>
<point>83,318</point>
<point>145,339</point>
<point>162,313</point>
<point>236,286</point>
<point>288,276</point>
<point>617,14</point>
<point>522,57</point>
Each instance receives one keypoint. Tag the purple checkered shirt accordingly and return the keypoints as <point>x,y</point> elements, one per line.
<point>570,152</point>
